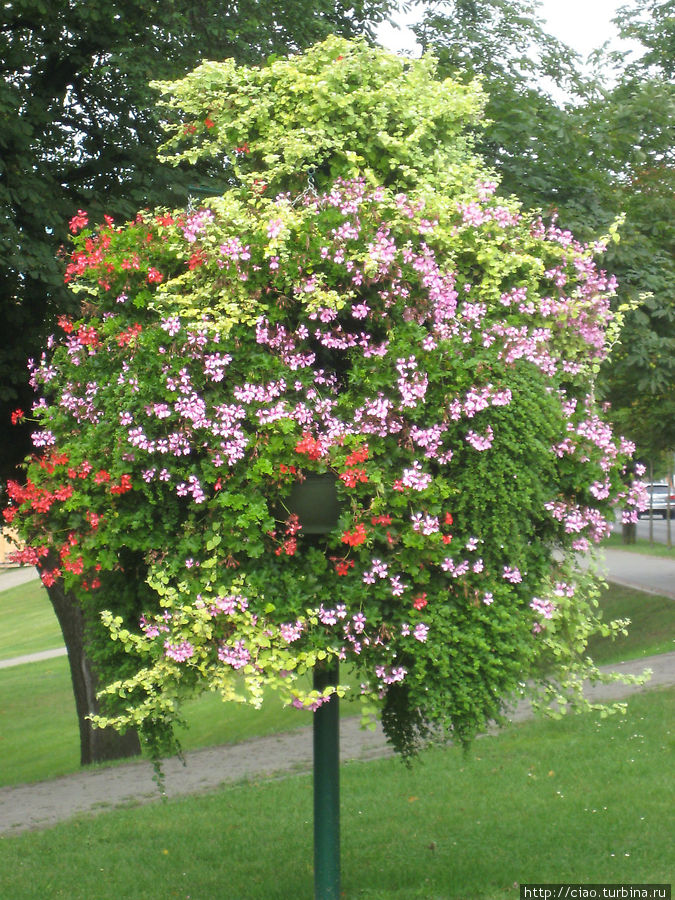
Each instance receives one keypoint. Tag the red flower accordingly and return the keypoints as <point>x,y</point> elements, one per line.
<point>353,477</point>
<point>356,537</point>
<point>197,259</point>
<point>49,577</point>
<point>78,221</point>
<point>358,456</point>
<point>93,519</point>
<point>448,519</point>
<point>87,336</point>
<point>126,337</point>
<point>343,566</point>
<point>189,129</point>
<point>124,485</point>
<point>289,546</point>
<point>154,275</point>
<point>65,323</point>
<point>381,520</point>
<point>209,122</point>
<point>17,416</point>
<point>310,446</point>
<point>76,566</point>
<point>420,601</point>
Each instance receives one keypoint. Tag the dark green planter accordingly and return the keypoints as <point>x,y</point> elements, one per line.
<point>315,502</point>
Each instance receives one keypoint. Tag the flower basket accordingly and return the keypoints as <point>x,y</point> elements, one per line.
<point>315,502</point>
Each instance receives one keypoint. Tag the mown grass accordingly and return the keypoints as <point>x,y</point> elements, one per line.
<point>652,628</point>
<point>37,709</point>
<point>580,800</point>
<point>641,545</point>
<point>27,621</point>
<point>39,738</point>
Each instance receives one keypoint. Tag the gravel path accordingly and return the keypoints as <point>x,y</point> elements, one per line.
<point>26,807</point>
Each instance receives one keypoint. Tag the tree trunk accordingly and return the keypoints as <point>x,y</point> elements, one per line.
<point>96,744</point>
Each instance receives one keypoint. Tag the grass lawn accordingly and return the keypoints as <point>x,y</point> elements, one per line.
<point>37,709</point>
<point>27,621</point>
<point>580,800</point>
<point>652,628</point>
<point>641,545</point>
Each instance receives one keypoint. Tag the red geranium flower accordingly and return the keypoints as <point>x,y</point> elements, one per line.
<point>78,221</point>
<point>420,601</point>
<point>356,537</point>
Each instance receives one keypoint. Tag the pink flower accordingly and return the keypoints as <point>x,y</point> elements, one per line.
<point>274,228</point>
<point>512,574</point>
<point>179,652</point>
<point>420,633</point>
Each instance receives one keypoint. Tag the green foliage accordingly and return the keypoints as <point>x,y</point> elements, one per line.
<point>394,327</point>
<point>49,719</point>
<point>341,110</point>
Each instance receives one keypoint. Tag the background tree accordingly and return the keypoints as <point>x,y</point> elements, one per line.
<point>587,147</point>
<point>640,378</point>
<point>79,131</point>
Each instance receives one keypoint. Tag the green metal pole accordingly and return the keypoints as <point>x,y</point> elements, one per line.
<point>327,789</point>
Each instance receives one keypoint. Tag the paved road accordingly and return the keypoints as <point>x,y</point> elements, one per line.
<point>32,657</point>
<point>659,529</point>
<point>10,578</point>
<point>653,574</point>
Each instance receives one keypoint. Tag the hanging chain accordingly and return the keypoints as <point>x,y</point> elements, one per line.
<point>310,190</point>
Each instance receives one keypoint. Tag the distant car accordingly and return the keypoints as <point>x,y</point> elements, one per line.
<point>658,495</point>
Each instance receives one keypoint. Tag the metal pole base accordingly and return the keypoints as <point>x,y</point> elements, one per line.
<point>327,789</point>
